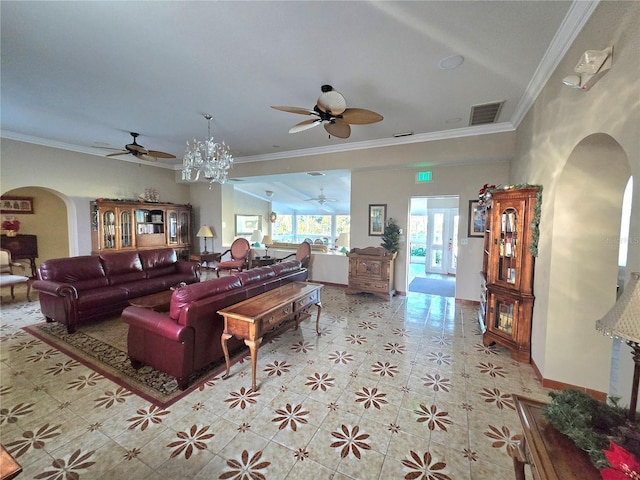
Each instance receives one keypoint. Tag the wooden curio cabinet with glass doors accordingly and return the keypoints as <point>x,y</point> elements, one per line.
<point>506,299</point>
<point>123,225</point>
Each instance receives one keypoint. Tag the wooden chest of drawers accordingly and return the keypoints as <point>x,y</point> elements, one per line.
<point>371,274</point>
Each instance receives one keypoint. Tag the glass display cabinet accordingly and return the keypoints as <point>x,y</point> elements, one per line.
<point>506,305</point>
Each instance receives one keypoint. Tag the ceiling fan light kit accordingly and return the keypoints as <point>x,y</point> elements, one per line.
<point>209,159</point>
<point>331,110</point>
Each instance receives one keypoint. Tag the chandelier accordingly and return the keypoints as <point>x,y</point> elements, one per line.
<point>209,159</point>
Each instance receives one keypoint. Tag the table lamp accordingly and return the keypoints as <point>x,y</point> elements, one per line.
<point>343,241</point>
<point>623,321</point>
<point>256,238</point>
<point>206,232</point>
<point>267,241</point>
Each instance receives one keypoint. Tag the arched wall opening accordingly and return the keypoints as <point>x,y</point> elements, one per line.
<point>586,225</point>
<point>54,222</point>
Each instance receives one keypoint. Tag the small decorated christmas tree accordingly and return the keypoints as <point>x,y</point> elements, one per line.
<point>391,236</point>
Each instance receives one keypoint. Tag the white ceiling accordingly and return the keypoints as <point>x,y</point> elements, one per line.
<point>82,75</point>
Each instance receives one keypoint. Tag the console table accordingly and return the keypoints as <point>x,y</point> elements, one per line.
<point>22,247</point>
<point>552,455</point>
<point>251,319</point>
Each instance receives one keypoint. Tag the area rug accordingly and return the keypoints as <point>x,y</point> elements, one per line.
<point>434,286</point>
<point>102,346</point>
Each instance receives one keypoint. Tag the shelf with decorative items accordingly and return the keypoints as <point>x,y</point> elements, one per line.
<point>510,246</point>
<point>133,225</point>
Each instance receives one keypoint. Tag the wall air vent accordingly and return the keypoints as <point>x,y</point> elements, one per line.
<point>486,113</point>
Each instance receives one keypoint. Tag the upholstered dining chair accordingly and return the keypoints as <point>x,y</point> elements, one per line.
<point>302,254</point>
<point>7,276</point>
<point>239,252</point>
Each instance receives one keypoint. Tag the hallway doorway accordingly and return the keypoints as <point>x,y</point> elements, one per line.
<point>433,233</point>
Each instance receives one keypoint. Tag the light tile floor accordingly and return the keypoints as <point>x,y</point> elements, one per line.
<point>390,390</point>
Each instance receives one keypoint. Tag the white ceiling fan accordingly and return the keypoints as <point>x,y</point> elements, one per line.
<point>321,199</point>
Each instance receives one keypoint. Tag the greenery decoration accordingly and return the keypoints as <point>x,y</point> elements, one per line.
<point>391,236</point>
<point>485,195</point>
<point>591,424</point>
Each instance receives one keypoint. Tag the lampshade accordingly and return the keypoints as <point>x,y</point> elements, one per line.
<point>205,231</point>
<point>623,320</point>
<point>343,240</point>
<point>267,240</point>
<point>256,236</point>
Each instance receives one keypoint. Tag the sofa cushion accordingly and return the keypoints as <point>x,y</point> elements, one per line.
<point>285,267</point>
<point>99,296</point>
<point>259,274</point>
<point>84,272</point>
<point>158,258</point>
<point>122,267</point>
<point>185,295</point>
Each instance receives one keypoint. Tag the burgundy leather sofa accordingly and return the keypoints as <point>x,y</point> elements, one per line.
<point>74,290</point>
<point>187,338</point>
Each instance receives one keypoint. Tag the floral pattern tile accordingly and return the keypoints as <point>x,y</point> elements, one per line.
<point>398,389</point>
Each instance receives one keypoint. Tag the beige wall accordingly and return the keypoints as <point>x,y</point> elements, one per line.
<point>78,178</point>
<point>575,272</point>
<point>395,189</point>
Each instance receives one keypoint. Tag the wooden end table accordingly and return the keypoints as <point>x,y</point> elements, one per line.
<point>552,455</point>
<point>262,261</point>
<point>255,317</point>
<point>208,258</point>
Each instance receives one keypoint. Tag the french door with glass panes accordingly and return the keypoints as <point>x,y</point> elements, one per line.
<point>442,241</point>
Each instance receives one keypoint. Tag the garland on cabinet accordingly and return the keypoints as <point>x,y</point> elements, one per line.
<point>485,195</point>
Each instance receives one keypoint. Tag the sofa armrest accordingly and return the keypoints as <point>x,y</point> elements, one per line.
<point>155,322</point>
<point>57,289</point>
<point>186,266</point>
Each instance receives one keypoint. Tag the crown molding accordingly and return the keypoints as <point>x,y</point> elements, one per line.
<point>384,142</point>
<point>572,24</point>
<point>75,148</point>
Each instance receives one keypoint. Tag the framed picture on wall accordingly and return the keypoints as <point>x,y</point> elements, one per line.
<point>16,204</point>
<point>246,224</point>
<point>377,219</point>
<point>477,216</point>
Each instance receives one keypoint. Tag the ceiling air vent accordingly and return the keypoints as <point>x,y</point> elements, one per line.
<point>487,113</point>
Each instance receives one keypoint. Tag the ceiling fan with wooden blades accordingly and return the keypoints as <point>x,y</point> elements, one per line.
<point>140,152</point>
<point>331,110</point>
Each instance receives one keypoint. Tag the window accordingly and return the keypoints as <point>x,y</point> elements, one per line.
<point>283,229</point>
<point>313,227</point>
<point>294,229</point>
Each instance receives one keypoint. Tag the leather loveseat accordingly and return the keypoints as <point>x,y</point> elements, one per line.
<point>74,290</point>
<point>187,338</point>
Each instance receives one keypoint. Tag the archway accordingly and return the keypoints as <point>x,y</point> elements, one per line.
<point>583,267</point>
<point>53,222</point>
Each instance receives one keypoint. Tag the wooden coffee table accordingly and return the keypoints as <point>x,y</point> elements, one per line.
<point>253,318</point>
<point>159,302</point>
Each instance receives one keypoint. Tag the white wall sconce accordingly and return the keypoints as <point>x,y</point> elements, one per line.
<point>592,66</point>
